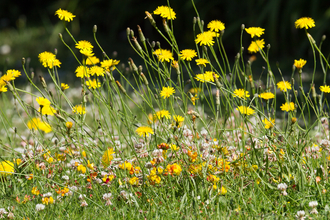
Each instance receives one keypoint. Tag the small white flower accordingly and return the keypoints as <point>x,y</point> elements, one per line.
<point>313,205</point>
<point>3,211</point>
<point>283,187</point>
<point>40,207</point>
<point>82,196</point>
<point>301,215</point>
<point>84,203</point>
<point>49,194</point>
<point>107,196</point>
<point>65,177</point>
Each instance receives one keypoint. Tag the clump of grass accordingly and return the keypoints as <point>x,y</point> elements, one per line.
<point>189,133</point>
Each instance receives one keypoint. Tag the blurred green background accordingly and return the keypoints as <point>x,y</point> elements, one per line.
<point>28,28</point>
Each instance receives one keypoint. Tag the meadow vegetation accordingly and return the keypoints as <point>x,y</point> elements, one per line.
<point>187,133</point>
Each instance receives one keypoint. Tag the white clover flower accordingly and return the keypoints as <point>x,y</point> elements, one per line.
<point>82,196</point>
<point>313,205</point>
<point>40,207</point>
<point>301,215</point>
<point>49,194</point>
<point>3,211</point>
<point>84,203</point>
<point>65,177</point>
<point>283,187</point>
<point>107,196</point>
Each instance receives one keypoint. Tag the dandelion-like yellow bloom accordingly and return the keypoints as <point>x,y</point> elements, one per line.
<point>205,38</point>
<point>14,73</point>
<point>267,95</point>
<point>107,64</point>
<point>245,110</point>
<point>48,59</point>
<point>216,26</point>
<point>43,101</point>
<point>305,22</point>
<point>93,84</point>
<point>167,92</point>
<point>206,77</point>
<point>88,52</point>
<point>283,85</point>
<point>3,88</point>
<point>188,54</point>
<point>36,123</point>
<point>162,114</point>
<point>79,109</point>
<point>163,55</point>
<point>82,71</point>
<point>107,157</point>
<point>144,131</point>
<point>299,63</point>
<point>287,107</point>
<point>92,60</point>
<point>47,110</point>
<point>269,123</point>
<point>241,93</point>
<point>84,44</point>
<point>202,61</point>
<point>64,86</point>
<point>6,168</point>
<point>64,15</point>
<point>255,31</point>
<point>325,89</point>
<point>179,120</point>
<point>255,45</point>
<point>165,12</point>
<point>99,71</point>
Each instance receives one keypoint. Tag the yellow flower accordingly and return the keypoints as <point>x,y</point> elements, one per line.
<point>88,52</point>
<point>267,95</point>
<point>287,107</point>
<point>43,101</point>
<point>206,77</point>
<point>245,110</point>
<point>241,93</point>
<point>193,99</point>
<point>167,92</point>
<point>93,84</point>
<point>188,54</point>
<point>82,71</point>
<point>3,88</point>
<point>36,123</point>
<point>299,63</point>
<point>99,71</point>
<point>69,124</point>
<point>162,113</point>
<point>174,147</point>
<point>216,26</point>
<point>106,64</point>
<point>35,191</point>
<point>134,181</point>
<point>126,166</point>
<point>84,44</point>
<point>205,38</point>
<point>165,12</point>
<point>202,61</point>
<point>255,45</point>
<point>255,31</point>
<point>64,15</point>
<point>81,168</point>
<point>222,191</point>
<point>163,55</point>
<point>178,119</point>
<point>107,157</point>
<point>144,131</point>
<point>6,168</point>
<point>269,123</point>
<point>79,109</point>
<point>325,89</point>
<point>64,86</point>
<point>14,73</point>
<point>92,60</point>
<point>47,110</point>
<point>305,22</point>
<point>283,85</point>
<point>48,59</point>
<point>173,169</point>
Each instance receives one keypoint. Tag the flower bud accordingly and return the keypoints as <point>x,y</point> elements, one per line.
<point>23,61</point>
<point>144,78</point>
<point>94,29</point>
<point>242,26</point>
<point>132,65</point>
<point>128,31</point>
<point>43,82</point>
<point>141,35</point>
<point>121,87</point>
<point>151,19</point>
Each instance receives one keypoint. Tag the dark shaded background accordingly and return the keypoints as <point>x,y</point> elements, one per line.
<point>30,27</point>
